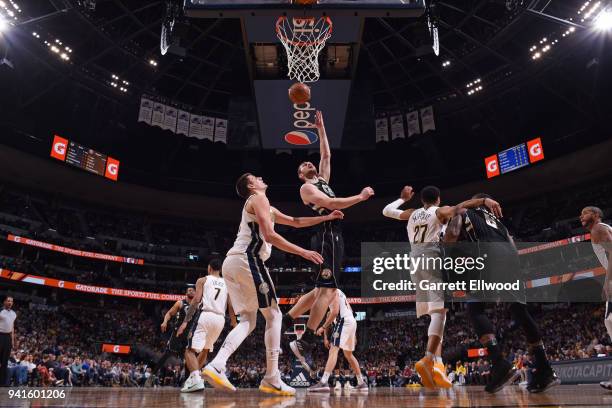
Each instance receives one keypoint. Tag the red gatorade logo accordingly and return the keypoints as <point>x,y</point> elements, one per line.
<point>492,166</point>
<point>59,147</point>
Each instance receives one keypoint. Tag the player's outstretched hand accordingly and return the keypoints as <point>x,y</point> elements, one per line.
<point>407,193</point>
<point>366,193</point>
<point>494,207</point>
<point>164,327</point>
<point>319,124</point>
<point>181,329</point>
<point>336,215</point>
<point>312,256</point>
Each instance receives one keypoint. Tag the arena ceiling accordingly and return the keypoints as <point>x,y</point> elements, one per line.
<point>105,54</point>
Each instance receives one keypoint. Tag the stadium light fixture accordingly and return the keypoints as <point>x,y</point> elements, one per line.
<point>3,24</point>
<point>603,21</point>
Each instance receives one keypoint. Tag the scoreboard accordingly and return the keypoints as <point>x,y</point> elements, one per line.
<point>84,158</point>
<point>514,158</point>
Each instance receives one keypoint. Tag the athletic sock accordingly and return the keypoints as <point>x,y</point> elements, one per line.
<point>325,378</point>
<point>494,351</point>
<point>430,355</point>
<point>359,379</point>
<point>438,360</point>
<point>195,374</point>
<point>309,336</point>
<point>538,351</point>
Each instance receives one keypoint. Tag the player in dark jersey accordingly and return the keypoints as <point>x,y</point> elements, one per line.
<point>320,198</point>
<point>482,226</point>
<point>176,344</point>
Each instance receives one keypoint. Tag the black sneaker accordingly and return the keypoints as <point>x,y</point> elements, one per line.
<point>543,380</point>
<point>303,352</point>
<point>502,373</point>
<point>606,384</point>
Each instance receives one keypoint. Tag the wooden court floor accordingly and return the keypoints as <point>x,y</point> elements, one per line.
<point>561,396</point>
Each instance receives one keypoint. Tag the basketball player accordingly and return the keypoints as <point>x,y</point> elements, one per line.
<point>481,225</point>
<point>176,343</point>
<point>344,337</point>
<point>425,226</point>
<point>318,196</point>
<point>249,284</point>
<point>210,300</point>
<point>601,239</point>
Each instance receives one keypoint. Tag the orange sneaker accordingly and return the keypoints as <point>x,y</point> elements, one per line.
<point>425,368</point>
<point>439,376</point>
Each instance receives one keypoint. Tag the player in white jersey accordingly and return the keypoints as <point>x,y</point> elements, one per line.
<point>425,227</point>
<point>601,239</point>
<point>343,337</point>
<point>209,304</point>
<point>249,284</point>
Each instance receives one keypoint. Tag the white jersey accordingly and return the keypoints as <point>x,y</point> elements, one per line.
<point>214,296</point>
<point>249,240</point>
<point>424,227</point>
<point>346,312</point>
<point>600,251</point>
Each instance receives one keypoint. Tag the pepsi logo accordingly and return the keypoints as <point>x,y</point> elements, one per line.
<point>301,137</point>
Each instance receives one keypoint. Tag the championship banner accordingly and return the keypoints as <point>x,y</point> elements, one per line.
<point>397,127</point>
<point>382,129</point>
<point>96,290</point>
<point>208,128</point>
<point>182,124</point>
<point>221,130</point>
<point>427,117</point>
<point>146,110</point>
<point>413,123</point>
<point>170,116</point>
<point>157,118</point>
<point>75,252</point>
<point>115,348</point>
<point>195,127</point>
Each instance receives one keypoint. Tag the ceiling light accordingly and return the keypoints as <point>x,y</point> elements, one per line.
<point>603,21</point>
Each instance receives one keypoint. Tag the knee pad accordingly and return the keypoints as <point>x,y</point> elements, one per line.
<point>436,325</point>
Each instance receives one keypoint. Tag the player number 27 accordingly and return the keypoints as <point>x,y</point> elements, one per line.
<point>419,229</point>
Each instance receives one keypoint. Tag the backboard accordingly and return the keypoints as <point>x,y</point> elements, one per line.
<point>356,8</point>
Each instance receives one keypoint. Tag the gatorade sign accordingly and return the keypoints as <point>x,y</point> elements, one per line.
<point>115,349</point>
<point>492,165</point>
<point>536,152</point>
<point>59,148</point>
<point>112,169</point>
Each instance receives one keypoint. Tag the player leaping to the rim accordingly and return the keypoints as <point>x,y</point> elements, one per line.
<point>318,196</point>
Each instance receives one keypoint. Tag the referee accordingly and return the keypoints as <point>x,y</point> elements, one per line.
<point>7,336</point>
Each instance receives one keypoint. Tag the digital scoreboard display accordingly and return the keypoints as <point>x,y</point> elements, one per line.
<point>513,158</point>
<point>84,158</point>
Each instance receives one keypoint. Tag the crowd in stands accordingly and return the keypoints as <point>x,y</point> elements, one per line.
<point>61,346</point>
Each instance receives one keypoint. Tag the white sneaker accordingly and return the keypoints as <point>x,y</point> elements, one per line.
<point>217,378</point>
<point>196,384</point>
<point>348,386</point>
<point>280,389</point>
<point>338,386</point>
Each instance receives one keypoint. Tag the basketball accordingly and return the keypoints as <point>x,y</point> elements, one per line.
<point>299,93</point>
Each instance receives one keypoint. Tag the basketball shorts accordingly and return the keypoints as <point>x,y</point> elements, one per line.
<point>344,334</point>
<point>178,344</point>
<point>329,243</point>
<point>428,300</point>
<point>206,332</point>
<point>248,283</point>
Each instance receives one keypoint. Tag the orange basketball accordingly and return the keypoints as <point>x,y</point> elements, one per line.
<point>299,93</point>
<point>305,2</point>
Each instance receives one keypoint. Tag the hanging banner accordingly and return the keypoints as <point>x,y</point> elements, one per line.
<point>221,130</point>
<point>208,128</point>
<point>182,123</point>
<point>195,127</point>
<point>397,127</point>
<point>158,114</point>
<point>382,129</point>
<point>413,123</point>
<point>170,116</point>
<point>146,110</point>
<point>427,117</point>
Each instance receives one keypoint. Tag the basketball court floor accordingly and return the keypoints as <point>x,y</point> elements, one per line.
<point>561,396</point>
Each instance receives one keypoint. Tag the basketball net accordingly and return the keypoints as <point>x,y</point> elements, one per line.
<point>303,39</point>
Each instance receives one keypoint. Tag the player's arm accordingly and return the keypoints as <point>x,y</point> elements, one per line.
<point>392,210</point>
<point>302,222</point>
<point>170,314</point>
<point>325,151</point>
<point>334,309</point>
<point>453,229</point>
<point>311,194</point>
<point>261,207</point>
<point>602,236</point>
<point>193,305</point>
<point>447,212</point>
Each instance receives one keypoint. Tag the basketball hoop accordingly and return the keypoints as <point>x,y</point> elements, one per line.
<point>303,39</point>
